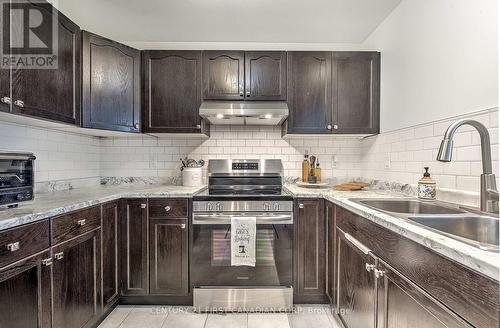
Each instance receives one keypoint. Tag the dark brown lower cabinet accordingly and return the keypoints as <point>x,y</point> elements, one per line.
<point>330,253</point>
<point>309,256</point>
<point>169,257</point>
<point>25,296</point>
<point>357,294</point>
<point>76,281</point>
<point>134,241</point>
<point>402,304</point>
<point>110,232</point>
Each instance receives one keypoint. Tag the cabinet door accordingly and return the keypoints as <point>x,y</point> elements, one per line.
<point>356,92</point>
<point>52,94</point>
<point>309,92</point>
<point>5,85</point>
<point>111,85</point>
<point>135,269</point>
<point>265,75</point>
<point>404,305</point>
<point>223,75</point>
<point>25,296</point>
<point>76,281</point>
<point>169,257</point>
<point>310,246</point>
<point>330,252</point>
<point>110,228</point>
<point>172,91</point>
<point>356,285</point>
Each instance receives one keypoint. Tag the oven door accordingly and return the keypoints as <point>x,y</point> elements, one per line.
<point>211,251</point>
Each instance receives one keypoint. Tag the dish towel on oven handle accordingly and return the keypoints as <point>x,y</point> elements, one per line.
<point>243,235</point>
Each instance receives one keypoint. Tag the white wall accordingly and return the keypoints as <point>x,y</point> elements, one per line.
<point>439,59</point>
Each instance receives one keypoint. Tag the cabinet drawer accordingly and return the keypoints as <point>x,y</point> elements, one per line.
<point>68,226</point>
<point>168,208</point>
<point>20,242</point>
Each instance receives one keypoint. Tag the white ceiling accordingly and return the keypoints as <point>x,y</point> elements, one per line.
<point>261,21</point>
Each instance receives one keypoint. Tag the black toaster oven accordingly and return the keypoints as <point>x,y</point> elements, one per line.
<point>16,177</point>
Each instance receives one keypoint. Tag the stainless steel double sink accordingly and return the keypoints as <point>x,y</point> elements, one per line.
<point>476,229</point>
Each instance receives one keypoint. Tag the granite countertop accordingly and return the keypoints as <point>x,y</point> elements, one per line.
<point>55,203</point>
<point>488,263</point>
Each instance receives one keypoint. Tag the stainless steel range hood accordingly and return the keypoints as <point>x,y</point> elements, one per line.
<point>244,113</point>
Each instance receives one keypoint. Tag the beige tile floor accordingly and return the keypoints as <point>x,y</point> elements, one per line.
<point>305,316</point>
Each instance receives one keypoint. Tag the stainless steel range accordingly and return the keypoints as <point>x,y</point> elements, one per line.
<point>242,188</point>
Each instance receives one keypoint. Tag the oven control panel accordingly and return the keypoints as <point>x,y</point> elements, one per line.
<point>238,206</point>
<point>243,166</point>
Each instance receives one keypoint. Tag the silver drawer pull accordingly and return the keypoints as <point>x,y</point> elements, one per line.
<point>198,126</point>
<point>369,267</point>
<point>144,205</point>
<point>59,256</point>
<point>81,223</point>
<point>183,226</point>
<point>12,247</point>
<point>335,127</point>
<point>47,262</point>
<point>19,103</point>
<point>357,244</point>
<point>167,208</point>
<point>6,100</point>
<point>137,125</point>
<point>301,205</point>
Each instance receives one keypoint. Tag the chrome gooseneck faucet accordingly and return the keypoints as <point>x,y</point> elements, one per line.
<point>489,191</point>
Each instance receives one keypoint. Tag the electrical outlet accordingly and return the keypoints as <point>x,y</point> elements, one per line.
<point>334,161</point>
<point>387,162</point>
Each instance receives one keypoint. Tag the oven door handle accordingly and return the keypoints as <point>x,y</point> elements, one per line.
<point>199,219</point>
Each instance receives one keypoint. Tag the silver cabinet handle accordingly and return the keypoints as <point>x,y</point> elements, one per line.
<point>12,247</point>
<point>6,100</point>
<point>369,267</point>
<point>82,222</point>
<point>248,94</point>
<point>379,273</point>
<point>183,226</point>
<point>198,126</point>
<point>144,205</point>
<point>357,244</point>
<point>19,103</point>
<point>335,127</point>
<point>47,262</point>
<point>329,127</point>
<point>59,256</point>
<point>137,125</point>
<point>301,205</point>
<point>167,208</point>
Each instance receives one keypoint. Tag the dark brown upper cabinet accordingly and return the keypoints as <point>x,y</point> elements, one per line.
<point>223,75</point>
<point>76,283</point>
<point>239,75</point>
<point>172,92</point>
<point>335,93</point>
<point>111,85</point>
<point>356,92</point>
<point>5,85</point>
<point>52,94</point>
<point>25,292</point>
<point>310,246</point>
<point>309,92</point>
<point>265,75</point>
